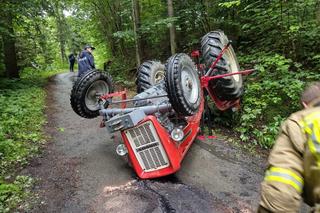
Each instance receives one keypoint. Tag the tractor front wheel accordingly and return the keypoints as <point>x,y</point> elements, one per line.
<point>149,73</point>
<point>85,93</point>
<point>183,84</point>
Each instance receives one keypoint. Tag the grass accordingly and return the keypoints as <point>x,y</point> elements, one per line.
<point>22,104</point>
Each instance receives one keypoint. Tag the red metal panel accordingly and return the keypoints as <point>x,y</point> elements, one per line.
<point>175,151</point>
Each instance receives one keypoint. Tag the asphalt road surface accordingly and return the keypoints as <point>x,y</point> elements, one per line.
<point>79,170</point>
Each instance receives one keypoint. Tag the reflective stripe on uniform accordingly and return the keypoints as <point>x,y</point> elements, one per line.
<point>311,126</point>
<point>311,117</point>
<point>285,176</point>
<point>314,141</point>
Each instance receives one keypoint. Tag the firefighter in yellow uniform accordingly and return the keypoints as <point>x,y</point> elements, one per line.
<point>293,174</point>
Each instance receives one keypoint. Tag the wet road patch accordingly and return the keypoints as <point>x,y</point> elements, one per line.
<point>157,196</point>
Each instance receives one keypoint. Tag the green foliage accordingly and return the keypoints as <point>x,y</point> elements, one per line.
<point>122,72</point>
<point>290,28</point>
<point>21,136</point>
<point>20,108</point>
<point>272,94</point>
<point>230,4</point>
<point>127,36</point>
<point>11,194</point>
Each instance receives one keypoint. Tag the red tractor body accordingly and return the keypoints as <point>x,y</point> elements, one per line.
<point>160,155</point>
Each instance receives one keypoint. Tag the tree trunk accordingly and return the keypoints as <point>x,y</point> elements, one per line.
<point>10,56</point>
<point>61,38</point>
<point>206,12</point>
<point>172,29</point>
<point>318,12</point>
<point>136,26</point>
<point>61,29</point>
<point>106,25</point>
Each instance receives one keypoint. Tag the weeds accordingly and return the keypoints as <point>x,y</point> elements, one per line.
<point>271,95</point>
<point>22,104</point>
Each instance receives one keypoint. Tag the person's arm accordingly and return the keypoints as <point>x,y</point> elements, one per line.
<point>91,61</point>
<point>283,182</point>
<point>86,58</point>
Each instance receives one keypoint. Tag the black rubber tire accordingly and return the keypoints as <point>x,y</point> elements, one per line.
<point>227,88</point>
<point>147,75</point>
<point>79,91</point>
<point>174,87</point>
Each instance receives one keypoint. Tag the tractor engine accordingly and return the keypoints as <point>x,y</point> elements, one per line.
<point>153,101</point>
<point>138,130</point>
<point>160,92</point>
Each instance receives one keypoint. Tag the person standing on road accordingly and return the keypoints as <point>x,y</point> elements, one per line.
<point>294,162</point>
<point>72,60</point>
<point>86,60</point>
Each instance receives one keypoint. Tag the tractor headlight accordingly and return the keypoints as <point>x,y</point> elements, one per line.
<point>122,150</point>
<point>177,134</point>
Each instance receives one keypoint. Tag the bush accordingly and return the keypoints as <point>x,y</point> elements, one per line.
<point>21,121</point>
<point>11,194</point>
<point>271,95</point>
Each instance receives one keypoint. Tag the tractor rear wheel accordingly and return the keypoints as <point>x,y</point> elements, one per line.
<point>86,91</point>
<point>149,74</point>
<point>183,84</point>
<point>227,88</point>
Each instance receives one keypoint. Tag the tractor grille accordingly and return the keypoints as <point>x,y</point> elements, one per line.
<point>147,147</point>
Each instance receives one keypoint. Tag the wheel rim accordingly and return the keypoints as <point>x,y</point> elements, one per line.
<point>233,66</point>
<point>190,84</point>
<point>96,89</point>
<point>159,76</point>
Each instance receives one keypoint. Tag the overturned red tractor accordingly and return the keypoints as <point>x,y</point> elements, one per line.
<point>165,116</point>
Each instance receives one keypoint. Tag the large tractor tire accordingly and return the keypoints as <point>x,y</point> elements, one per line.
<point>149,74</point>
<point>86,91</point>
<point>227,88</point>
<point>183,84</point>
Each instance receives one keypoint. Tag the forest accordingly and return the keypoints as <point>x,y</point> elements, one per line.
<point>280,38</point>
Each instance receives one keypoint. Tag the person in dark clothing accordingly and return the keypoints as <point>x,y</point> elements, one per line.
<point>106,65</point>
<point>86,60</point>
<point>72,60</point>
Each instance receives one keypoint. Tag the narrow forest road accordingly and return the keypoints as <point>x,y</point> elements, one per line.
<point>79,171</point>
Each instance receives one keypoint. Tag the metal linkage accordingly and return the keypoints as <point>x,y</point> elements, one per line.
<point>205,79</point>
<point>148,110</point>
<point>122,94</point>
<point>214,64</point>
<point>137,99</point>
